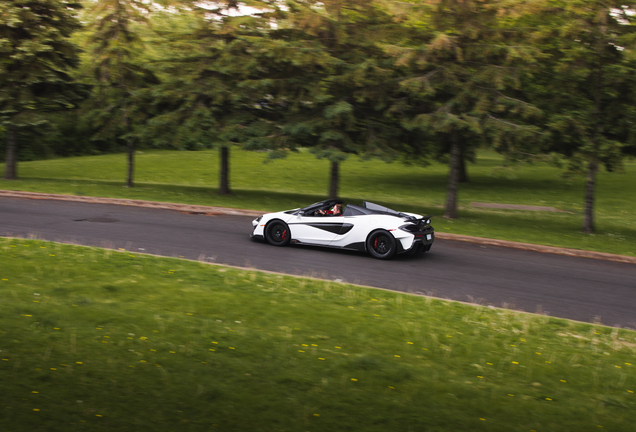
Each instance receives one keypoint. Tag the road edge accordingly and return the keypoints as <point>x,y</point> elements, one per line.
<point>211,210</point>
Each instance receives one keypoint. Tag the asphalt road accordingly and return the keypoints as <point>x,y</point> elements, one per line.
<point>568,287</point>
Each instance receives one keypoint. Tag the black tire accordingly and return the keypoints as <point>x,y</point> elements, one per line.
<point>381,245</point>
<point>277,233</point>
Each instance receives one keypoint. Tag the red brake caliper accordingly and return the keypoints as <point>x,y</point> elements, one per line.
<point>375,244</point>
<point>284,234</point>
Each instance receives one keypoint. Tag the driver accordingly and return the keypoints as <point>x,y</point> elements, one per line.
<point>335,211</point>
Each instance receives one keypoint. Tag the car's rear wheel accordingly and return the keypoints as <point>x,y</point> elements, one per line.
<point>381,244</point>
<point>277,233</point>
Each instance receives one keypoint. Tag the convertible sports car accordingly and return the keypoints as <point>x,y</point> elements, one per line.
<point>378,230</point>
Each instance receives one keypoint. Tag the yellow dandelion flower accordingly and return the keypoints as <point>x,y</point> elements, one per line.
<point>410,343</point>
<point>35,392</point>
<point>563,381</point>
<point>305,345</point>
<point>548,399</point>
<point>231,347</point>
<point>338,347</point>
<point>628,364</point>
<point>630,391</point>
<point>79,363</point>
<point>482,419</point>
<point>511,395</point>
<point>301,351</point>
<point>391,387</point>
<point>354,379</point>
<point>212,349</point>
<point>316,415</point>
<point>319,358</point>
<point>514,362</point>
<point>314,345</point>
<point>36,409</point>
<point>479,376</point>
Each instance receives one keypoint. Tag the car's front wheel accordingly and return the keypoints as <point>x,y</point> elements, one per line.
<point>277,233</point>
<point>381,245</point>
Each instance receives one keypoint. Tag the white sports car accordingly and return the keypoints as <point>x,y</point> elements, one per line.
<point>370,227</point>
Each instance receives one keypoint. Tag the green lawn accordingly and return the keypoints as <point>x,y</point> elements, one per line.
<point>191,177</point>
<point>103,340</point>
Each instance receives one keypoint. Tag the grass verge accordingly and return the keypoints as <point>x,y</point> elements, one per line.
<point>191,178</point>
<point>96,339</point>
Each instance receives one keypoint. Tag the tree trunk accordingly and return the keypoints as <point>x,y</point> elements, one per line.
<point>334,179</point>
<point>588,217</point>
<point>224,180</point>
<point>450,211</point>
<point>130,145</point>
<point>131,164</point>
<point>11,168</point>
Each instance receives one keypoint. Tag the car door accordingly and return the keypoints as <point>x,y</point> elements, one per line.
<point>318,230</point>
<point>352,230</point>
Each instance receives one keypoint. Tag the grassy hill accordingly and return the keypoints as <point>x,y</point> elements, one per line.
<point>98,340</point>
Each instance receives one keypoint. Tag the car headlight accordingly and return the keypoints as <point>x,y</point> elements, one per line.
<point>258,219</point>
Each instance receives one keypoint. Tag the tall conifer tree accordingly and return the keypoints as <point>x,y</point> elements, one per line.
<point>586,85</point>
<point>36,57</point>
<point>114,44</point>
<point>460,62</point>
